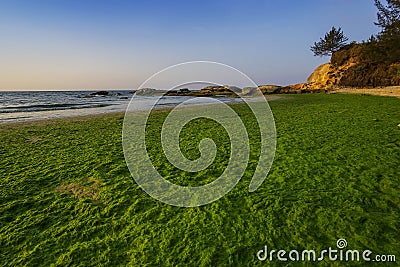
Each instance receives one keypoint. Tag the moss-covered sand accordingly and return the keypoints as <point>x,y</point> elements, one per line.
<point>66,195</point>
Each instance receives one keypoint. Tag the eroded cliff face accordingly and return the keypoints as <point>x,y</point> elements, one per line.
<point>364,65</point>
<point>322,77</point>
<point>326,76</point>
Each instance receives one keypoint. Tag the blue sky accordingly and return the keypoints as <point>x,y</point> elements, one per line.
<point>88,44</point>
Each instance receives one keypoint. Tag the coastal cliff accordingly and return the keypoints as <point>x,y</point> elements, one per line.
<point>366,65</point>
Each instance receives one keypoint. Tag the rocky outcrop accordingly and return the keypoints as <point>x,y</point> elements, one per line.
<point>269,89</point>
<point>216,89</point>
<point>321,80</point>
<point>321,77</point>
<point>264,89</point>
<point>149,92</point>
<point>221,90</point>
<point>324,78</point>
<point>249,91</point>
<point>365,65</point>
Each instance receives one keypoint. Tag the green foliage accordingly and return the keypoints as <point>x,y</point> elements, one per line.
<point>376,64</point>
<point>389,19</point>
<point>335,175</point>
<point>332,42</point>
<point>389,37</point>
<point>348,52</point>
<point>365,75</point>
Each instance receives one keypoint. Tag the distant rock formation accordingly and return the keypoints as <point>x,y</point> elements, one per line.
<point>184,91</point>
<point>252,91</point>
<point>234,89</point>
<point>180,92</point>
<point>222,90</point>
<point>216,89</point>
<point>249,91</point>
<point>269,89</point>
<point>148,92</point>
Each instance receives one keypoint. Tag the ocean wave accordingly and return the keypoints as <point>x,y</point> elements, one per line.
<point>49,107</point>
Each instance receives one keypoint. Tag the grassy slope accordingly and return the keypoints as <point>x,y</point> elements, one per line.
<point>335,175</point>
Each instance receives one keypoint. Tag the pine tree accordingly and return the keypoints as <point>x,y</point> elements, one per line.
<point>389,22</point>
<point>388,18</point>
<point>332,42</point>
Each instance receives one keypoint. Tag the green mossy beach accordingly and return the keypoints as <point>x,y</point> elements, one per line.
<point>67,197</point>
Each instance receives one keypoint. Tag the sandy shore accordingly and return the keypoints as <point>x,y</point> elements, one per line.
<point>383,91</point>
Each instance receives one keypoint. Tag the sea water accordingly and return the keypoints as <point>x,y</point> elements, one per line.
<point>39,105</point>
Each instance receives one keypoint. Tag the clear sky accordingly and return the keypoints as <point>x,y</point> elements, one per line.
<point>96,44</point>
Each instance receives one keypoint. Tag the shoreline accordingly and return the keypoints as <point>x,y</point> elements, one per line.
<point>385,91</point>
<point>393,91</point>
<point>83,117</point>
